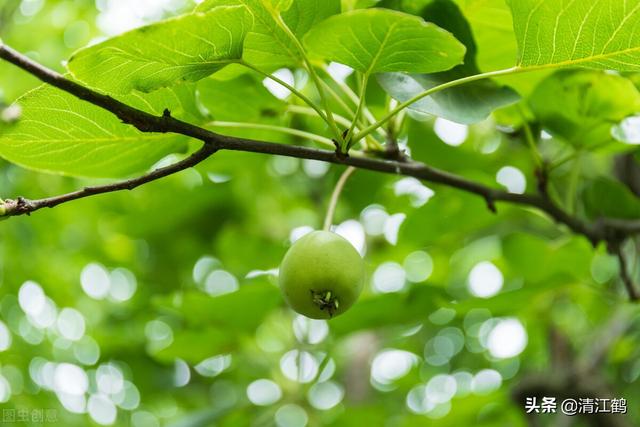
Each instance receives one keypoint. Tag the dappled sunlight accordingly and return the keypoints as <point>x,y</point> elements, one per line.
<point>315,168</point>
<point>418,266</point>
<point>276,88</point>
<point>417,192</point>
<point>291,415</point>
<point>214,366</point>
<point>182,373</point>
<point>374,218</point>
<point>392,227</point>
<point>389,277</point>
<point>118,16</point>
<point>95,281</point>
<point>485,280</point>
<point>31,298</point>
<point>5,390</point>
<point>507,338</point>
<point>299,366</point>
<point>310,331</point>
<point>486,381</point>
<point>451,133</point>
<point>513,179</point>
<point>5,337</point>
<point>325,395</point>
<point>263,392</point>
<point>353,231</point>
<point>390,365</point>
<point>159,335</point>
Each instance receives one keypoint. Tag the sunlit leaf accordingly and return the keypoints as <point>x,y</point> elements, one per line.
<point>469,103</point>
<point>592,33</point>
<point>581,106</point>
<point>187,48</point>
<point>378,40</point>
<point>268,45</point>
<point>60,133</point>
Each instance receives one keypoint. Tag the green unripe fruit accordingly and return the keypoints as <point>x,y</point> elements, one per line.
<point>321,275</point>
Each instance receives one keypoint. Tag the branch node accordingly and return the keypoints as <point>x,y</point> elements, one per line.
<point>491,203</point>
<point>542,177</point>
<point>19,206</point>
<point>392,151</point>
<point>340,155</point>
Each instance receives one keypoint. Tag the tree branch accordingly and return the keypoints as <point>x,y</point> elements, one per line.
<point>625,274</point>
<point>22,206</point>
<point>610,231</point>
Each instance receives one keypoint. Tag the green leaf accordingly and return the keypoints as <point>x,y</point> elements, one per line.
<point>268,45</point>
<point>187,48</point>
<point>305,14</point>
<point>610,199</point>
<point>379,40</point>
<point>195,345</point>
<point>492,26</point>
<point>525,253</point>
<point>242,310</point>
<point>227,100</point>
<point>390,309</point>
<point>597,34</point>
<point>60,133</point>
<point>581,106</point>
<point>467,104</point>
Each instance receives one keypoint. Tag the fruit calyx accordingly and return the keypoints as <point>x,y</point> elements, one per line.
<point>325,300</point>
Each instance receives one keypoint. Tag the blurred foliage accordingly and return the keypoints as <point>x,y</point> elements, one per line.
<point>160,306</point>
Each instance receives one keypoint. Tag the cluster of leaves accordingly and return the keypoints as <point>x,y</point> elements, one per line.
<point>207,67</point>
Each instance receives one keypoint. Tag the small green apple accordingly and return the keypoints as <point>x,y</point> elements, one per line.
<point>321,275</point>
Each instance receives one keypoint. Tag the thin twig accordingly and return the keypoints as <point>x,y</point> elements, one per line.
<point>23,206</point>
<point>625,275</point>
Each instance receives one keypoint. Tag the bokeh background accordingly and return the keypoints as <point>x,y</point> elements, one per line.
<point>159,307</point>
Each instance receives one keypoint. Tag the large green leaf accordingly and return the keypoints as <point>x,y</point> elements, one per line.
<point>226,101</point>
<point>607,198</point>
<point>598,34</point>
<point>187,48</point>
<point>60,133</point>
<point>268,45</point>
<point>393,309</point>
<point>466,104</point>
<point>581,106</point>
<point>243,310</point>
<point>195,345</point>
<point>492,26</point>
<point>525,253</point>
<point>379,40</point>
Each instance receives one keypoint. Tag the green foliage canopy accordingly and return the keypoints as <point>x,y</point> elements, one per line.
<point>160,306</point>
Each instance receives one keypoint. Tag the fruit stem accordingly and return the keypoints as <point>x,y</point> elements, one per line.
<point>328,219</point>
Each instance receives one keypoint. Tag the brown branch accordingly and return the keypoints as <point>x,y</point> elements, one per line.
<point>22,206</point>
<point>625,274</point>
<point>602,231</point>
